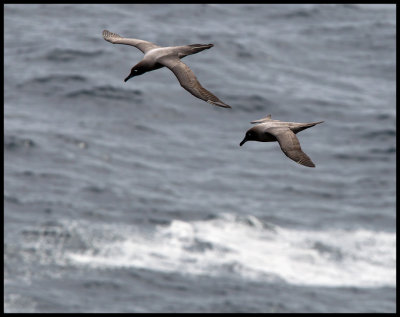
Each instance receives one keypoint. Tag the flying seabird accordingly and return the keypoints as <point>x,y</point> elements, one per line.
<point>268,130</point>
<point>156,57</point>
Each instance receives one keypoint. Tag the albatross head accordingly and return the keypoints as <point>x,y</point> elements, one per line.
<point>251,135</point>
<point>135,71</point>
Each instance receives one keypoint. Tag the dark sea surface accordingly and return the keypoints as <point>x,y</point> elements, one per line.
<point>136,197</point>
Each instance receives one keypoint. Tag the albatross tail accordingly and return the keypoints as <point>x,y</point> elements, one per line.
<point>192,49</point>
<point>304,126</point>
<point>195,48</point>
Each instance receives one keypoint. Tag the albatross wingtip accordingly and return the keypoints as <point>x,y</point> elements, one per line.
<point>220,104</point>
<point>307,163</point>
<point>110,36</point>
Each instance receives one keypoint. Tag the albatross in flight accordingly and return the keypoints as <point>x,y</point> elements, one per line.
<point>156,57</point>
<point>268,130</point>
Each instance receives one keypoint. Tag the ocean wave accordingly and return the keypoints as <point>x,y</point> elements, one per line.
<point>51,84</point>
<point>300,12</point>
<point>13,303</point>
<point>380,134</point>
<point>107,92</point>
<point>66,55</point>
<point>387,150</point>
<point>53,77</point>
<point>253,103</point>
<point>11,199</point>
<point>13,143</point>
<point>82,144</point>
<point>363,157</point>
<point>248,248</point>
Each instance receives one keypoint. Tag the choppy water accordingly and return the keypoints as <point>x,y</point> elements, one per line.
<point>136,197</point>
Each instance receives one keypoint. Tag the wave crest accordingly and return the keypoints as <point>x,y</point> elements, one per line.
<point>247,247</point>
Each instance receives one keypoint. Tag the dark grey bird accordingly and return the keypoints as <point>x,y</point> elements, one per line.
<point>268,130</point>
<point>156,57</point>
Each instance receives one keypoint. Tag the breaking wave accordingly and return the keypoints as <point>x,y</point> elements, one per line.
<point>246,247</point>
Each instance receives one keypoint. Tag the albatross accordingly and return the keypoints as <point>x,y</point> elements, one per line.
<point>268,130</point>
<point>156,57</point>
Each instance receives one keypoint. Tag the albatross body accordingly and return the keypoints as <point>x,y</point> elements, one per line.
<point>156,57</point>
<point>268,130</point>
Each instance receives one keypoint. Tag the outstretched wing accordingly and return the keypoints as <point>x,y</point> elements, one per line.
<point>290,145</point>
<point>267,118</point>
<point>114,38</point>
<point>188,80</point>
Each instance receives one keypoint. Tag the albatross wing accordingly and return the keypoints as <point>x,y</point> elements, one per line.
<point>267,118</point>
<point>290,145</point>
<point>142,45</point>
<point>188,80</point>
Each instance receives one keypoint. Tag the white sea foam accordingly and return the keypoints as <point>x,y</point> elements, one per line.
<point>247,248</point>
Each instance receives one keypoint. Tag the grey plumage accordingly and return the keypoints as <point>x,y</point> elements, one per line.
<point>268,130</point>
<point>156,57</point>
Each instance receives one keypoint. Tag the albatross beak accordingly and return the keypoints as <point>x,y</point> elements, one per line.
<point>127,78</point>
<point>133,73</point>
<point>244,141</point>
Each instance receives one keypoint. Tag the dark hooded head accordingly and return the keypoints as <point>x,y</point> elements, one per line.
<point>134,72</point>
<point>251,135</point>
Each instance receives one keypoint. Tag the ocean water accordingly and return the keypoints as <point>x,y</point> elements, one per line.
<point>136,197</point>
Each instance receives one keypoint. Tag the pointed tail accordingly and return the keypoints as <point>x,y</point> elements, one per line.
<point>304,126</point>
